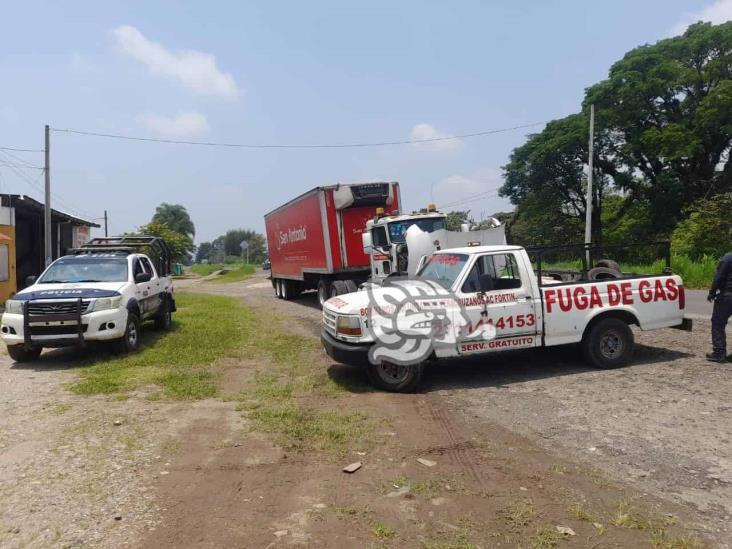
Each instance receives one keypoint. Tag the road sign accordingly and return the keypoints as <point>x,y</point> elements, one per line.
<point>243,245</point>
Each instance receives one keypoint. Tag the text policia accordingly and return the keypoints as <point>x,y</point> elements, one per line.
<point>582,297</point>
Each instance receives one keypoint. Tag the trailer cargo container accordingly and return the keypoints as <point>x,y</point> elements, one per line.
<point>315,242</point>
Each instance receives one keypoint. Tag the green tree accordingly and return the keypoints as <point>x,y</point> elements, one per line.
<point>707,230</point>
<point>551,165</point>
<point>181,245</point>
<point>204,251</point>
<point>455,219</point>
<point>257,244</point>
<point>176,217</point>
<point>668,110</point>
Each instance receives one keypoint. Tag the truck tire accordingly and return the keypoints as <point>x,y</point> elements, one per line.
<point>164,318</point>
<point>275,287</point>
<point>603,273</point>
<point>130,342</point>
<point>20,354</point>
<point>351,286</point>
<point>395,378</point>
<point>608,343</point>
<point>323,292</point>
<point>338,287</point>
<point>610,264</point>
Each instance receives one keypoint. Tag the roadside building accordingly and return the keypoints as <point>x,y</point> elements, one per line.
<point>21,239</point>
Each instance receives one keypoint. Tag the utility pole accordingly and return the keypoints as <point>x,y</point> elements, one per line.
<point>47,211</point>
<point>588,208</point>
<point>106,233</point>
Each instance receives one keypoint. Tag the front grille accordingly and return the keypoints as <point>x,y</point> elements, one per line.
<point>38,308</point>
<point>329,320</point>
<point>66,329</point>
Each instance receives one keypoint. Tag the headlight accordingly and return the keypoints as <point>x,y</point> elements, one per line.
<point>13,306</point>
<point>105,303</point>
<point>348,325</point>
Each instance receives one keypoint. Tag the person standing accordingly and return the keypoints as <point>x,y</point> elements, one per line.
<point>721,294</point>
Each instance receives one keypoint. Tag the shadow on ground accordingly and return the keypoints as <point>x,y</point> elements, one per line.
<point>71,358</point>
<point>502,369</point>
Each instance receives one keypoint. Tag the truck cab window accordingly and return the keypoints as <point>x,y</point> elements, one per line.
<point>148,267</point>
<point>139,268</point>
<point>502,268</point>
<point>378,237</point>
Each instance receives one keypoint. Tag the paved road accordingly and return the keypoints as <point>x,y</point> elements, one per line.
<point>697,305</point>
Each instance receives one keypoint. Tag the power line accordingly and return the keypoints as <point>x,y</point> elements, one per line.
<point>21,160</point>
<point>471,198</point>
<point>298,146</point>
<point>22,150</point>
<point>35,185</point>
<point>10,165</point>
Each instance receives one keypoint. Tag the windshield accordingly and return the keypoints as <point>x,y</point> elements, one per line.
<point>86,269</point>
<point>397,229</point>
<point>443,268</point>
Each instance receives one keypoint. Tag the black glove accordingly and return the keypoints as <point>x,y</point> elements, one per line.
<point>711,296</point>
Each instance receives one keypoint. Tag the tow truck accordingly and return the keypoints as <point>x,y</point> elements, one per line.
<point>496,301</point>
<point>101,291</point>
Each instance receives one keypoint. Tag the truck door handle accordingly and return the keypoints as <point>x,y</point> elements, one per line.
<point>524,298</point>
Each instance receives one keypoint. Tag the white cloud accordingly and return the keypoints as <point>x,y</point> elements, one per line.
<point>184,125</point>
<point>426,131</point>
<point>196,70</point>
<point>717,12</point>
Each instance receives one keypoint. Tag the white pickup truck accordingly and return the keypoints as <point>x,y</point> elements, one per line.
<point>484,299</point>
<point>101,292</point>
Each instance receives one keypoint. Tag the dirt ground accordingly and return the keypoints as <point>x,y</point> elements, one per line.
<point>529,442</point>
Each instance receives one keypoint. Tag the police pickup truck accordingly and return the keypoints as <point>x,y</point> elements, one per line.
<point>102,291</point>
<point>484,299</point>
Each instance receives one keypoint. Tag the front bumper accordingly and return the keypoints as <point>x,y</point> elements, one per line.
<point>354,354</point>
<point>97,326</point>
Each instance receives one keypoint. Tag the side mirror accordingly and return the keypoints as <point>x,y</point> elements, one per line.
<point>142,277</point>
<point>367,242</point>
<point>30,280</point>
<point>486,283</point>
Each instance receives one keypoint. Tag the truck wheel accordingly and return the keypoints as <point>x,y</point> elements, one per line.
<point>164,319</point>
<point>323,294</point>
<point>603,273</point>
<point>610,264</point>
<point>351,286</point>
<point>20,354</point>
<point>130,342</point>
<point>275,287</point>
<point>394,377</point>
<point>338,287</point>
<point>608,344</point>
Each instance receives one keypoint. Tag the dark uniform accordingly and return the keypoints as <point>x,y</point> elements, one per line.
<point>721,294</point>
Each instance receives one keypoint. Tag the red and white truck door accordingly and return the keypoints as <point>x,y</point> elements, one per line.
<point>510,307</point>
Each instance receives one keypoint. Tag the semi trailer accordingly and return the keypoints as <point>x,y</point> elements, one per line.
<point>315,241</point>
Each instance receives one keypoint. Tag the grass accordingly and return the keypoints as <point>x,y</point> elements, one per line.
<point>381,531</point>
<point>546,538</point>
<point>518,514</point>
<point>279,400</point>
<point>235,272</point>
<point>428,488</point>
<point>581,513</point>
<point>182,360</point>
<point>238,274</point>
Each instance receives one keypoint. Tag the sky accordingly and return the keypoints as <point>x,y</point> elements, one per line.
<point>296,73</point>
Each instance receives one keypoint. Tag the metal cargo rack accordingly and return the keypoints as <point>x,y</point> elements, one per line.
<point>154,246</point>
<point>588,254</point>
